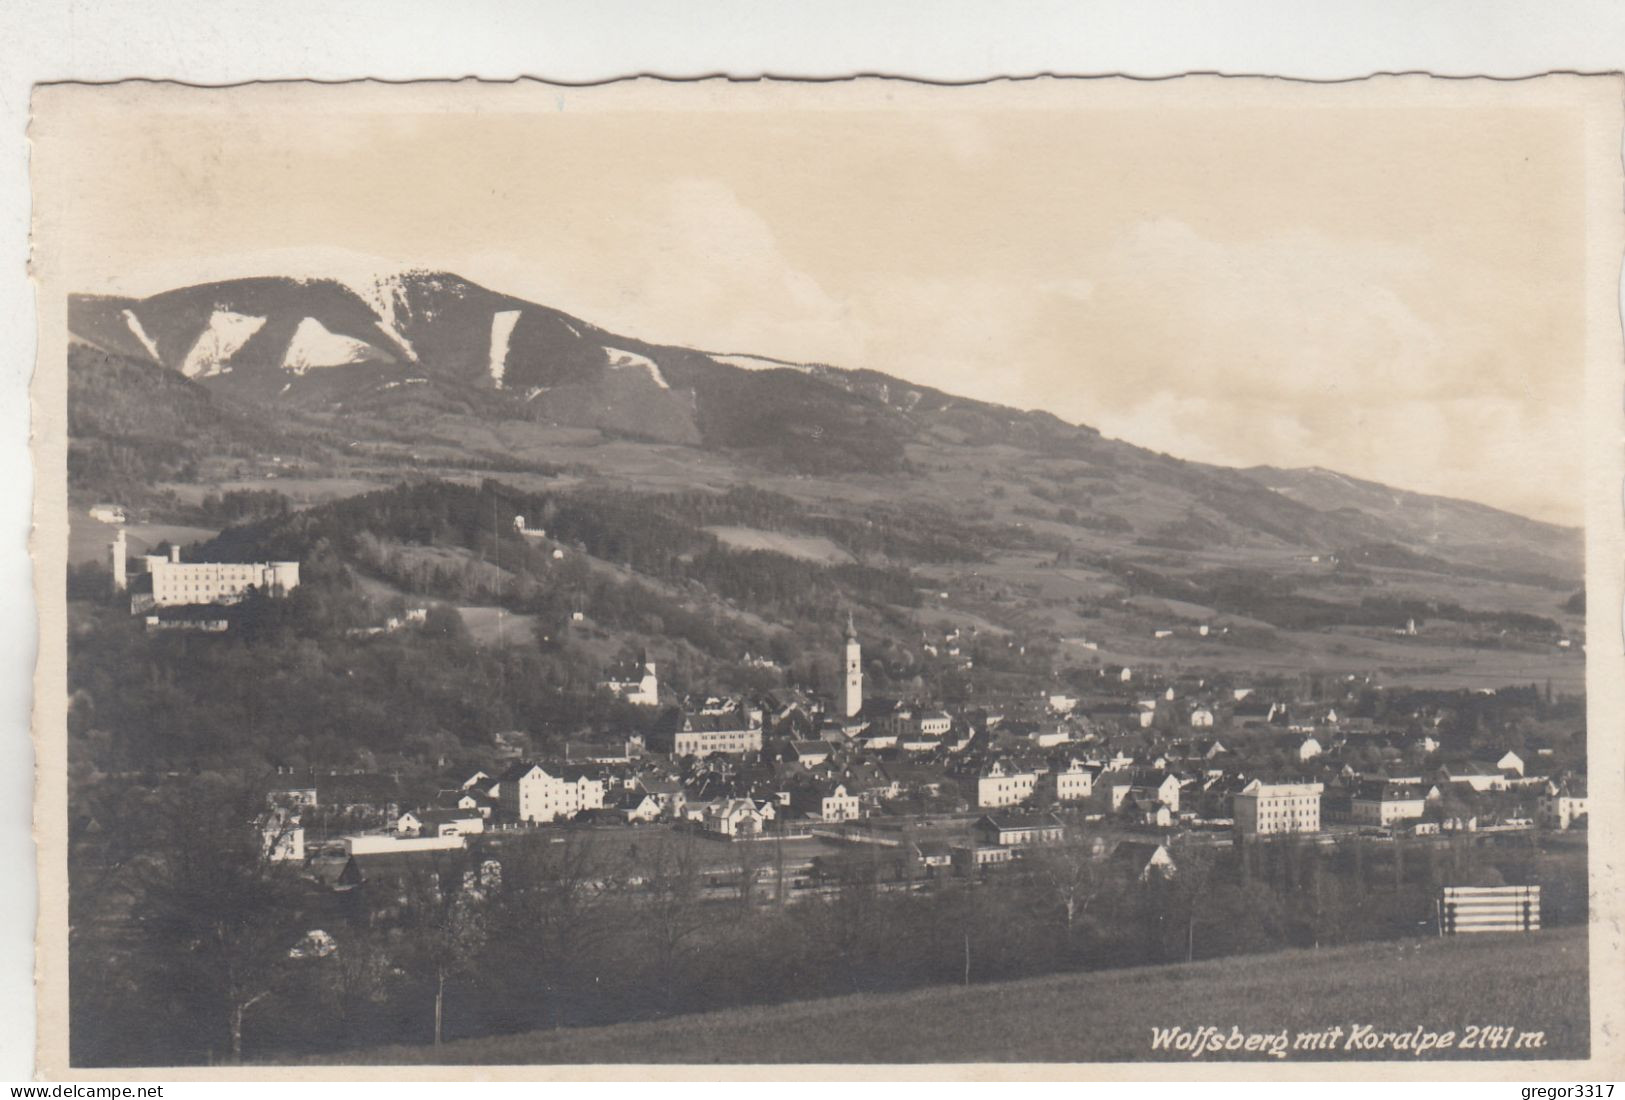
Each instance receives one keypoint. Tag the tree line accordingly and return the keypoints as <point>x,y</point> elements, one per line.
<point>188,946</point>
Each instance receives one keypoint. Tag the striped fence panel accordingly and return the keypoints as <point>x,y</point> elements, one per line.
<point>1489,909</point>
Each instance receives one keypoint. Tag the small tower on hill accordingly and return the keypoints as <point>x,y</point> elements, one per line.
<point>120,552</point>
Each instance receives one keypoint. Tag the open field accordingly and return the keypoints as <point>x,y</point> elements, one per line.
<point>300,491</point>
<point>488,625</point>
<point>89,539</point>
<point>1409,661</point>
<point>1530,984</point>
<point>814,548</point>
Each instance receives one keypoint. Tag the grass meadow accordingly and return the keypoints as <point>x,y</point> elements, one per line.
<point>1526,983</point>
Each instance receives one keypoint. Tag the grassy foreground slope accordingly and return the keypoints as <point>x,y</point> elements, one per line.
<point>1532,983</point>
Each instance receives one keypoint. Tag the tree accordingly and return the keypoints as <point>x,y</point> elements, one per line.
<point>749,861</point>
<point>358,976</point>
<point>220,911</point>
<point>853,924</point>
<point>555,905</point>
<point>1188,883</point>
<point>669,910</point>
<point>1074,876</point>
<point>443,921</point>
<point>443,621</point>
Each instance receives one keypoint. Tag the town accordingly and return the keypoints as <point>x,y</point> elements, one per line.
<point>988,782</point>
<point>1146,755</point>
<point>1113,816</point>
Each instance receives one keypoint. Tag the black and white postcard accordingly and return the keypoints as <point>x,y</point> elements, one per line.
<point>1059,577</point>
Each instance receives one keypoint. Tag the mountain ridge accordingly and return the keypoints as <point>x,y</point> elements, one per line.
<point>435,350</point>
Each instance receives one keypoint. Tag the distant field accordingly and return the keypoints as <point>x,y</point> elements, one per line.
<point>814,548</point>
<point>487,624</point>
<point>1531,983</point>
<point>89,539</point>
<point>302,491</point>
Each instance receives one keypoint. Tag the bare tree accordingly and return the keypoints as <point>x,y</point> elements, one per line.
<point>1073,874</point>
<point>444,922</point>
<point>667,877</point>
<point>218,906</point>
<point>358,975</point>
<point>749,862</point>
<point>1188,881</point>
<point>554,905</point>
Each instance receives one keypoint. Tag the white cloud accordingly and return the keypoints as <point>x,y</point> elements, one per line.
<point>694,265</point>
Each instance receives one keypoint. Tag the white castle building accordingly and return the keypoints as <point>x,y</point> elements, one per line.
<point>170,582</point>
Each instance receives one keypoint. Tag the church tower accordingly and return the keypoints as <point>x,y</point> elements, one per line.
<point>120,553</point>
<point>852,684</point>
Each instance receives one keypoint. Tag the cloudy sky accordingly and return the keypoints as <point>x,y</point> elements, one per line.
<point>1312,276</point>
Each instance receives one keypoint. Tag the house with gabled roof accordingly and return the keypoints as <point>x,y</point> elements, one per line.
<point>1478,774</point>
<point>529,791</point>
<point>1382,802</point>
<point>1070,779</point>
<point>735,818</point>
<point>1015,830</point>
<point>1565,804</point>
<point>638,806</point>
<point>468,799</point>
<point>1143,859</point>
<point>826,801</point>
<point>453,822</point>
<point>364,796</point>
<point>1301,747</point>
<point>1251,711</point>
<point>1155,786</point>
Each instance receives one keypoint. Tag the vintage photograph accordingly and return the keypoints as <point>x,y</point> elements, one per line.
<point>867,573</point>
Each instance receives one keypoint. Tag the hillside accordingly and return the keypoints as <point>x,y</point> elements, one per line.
<point>1014,520</point>
<point>432,351</point>
<point>1530,983</point>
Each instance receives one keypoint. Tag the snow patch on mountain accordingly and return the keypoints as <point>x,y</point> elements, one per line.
<point>315,346</point>
<point>140,333</point>
<point>502,323</point>
<point>757,362</point>
<point>223,337</point>
<point>622,360</point>
<point>385,295</point>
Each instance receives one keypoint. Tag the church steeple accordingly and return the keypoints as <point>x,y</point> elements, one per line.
<point>852,681</point>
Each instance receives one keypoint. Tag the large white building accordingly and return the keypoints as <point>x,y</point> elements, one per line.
<point>1075,782</point>
<point>530,792</point>
<point>735,731</point>
<point>170,582</point>
<point>1267,809</point>
<point>1380,802</point>
<point>998,784</point>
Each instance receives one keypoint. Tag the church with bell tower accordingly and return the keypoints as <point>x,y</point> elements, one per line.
<point>852,682</point>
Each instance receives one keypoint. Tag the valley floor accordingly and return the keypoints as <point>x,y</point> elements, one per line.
<point>1528,984</point>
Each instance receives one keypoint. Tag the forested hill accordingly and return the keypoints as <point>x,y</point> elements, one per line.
<point>728,507</point>
<point>459,542</point>
<point>636,559</point>
<point>427,370</point>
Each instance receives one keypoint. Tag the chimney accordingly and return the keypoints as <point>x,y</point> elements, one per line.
<point>175,553</point>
